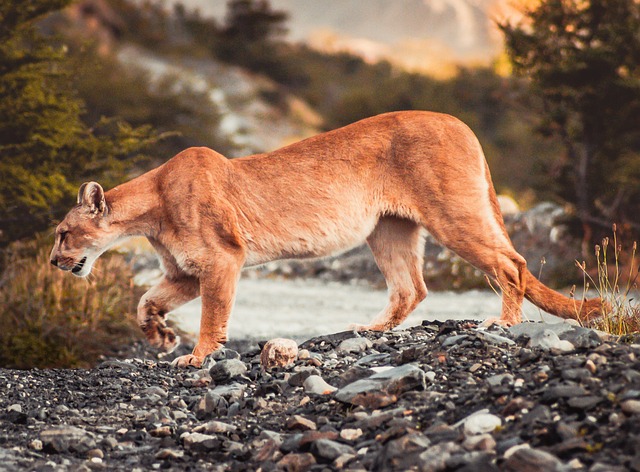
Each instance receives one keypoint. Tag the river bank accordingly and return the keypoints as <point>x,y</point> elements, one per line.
<point>434,397</point>
<point>302,308</point>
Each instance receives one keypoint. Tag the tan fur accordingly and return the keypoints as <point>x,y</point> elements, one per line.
<point>384,180</point>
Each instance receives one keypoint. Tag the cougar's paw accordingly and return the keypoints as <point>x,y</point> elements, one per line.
<point>164,338</point>
<point>158,334</point>
<point>186,361</point>
<point>372,327</point>
<point>497,321</point>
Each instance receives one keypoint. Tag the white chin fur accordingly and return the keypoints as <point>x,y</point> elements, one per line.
<point>85,271</point>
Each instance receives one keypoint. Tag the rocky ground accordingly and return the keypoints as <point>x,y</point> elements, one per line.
<point>436,397</point>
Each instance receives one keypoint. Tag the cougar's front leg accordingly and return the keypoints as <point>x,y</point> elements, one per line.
<point>168,295</point>
<point>218,290</point>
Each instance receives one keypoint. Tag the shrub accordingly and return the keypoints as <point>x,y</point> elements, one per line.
<point>52,319</point>
<point>616,282</point>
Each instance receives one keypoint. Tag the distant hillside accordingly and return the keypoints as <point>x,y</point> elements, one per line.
<point>425,35</point>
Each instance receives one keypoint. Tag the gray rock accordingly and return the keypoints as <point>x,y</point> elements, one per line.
<point>214,426</point>
<point>499,379</point>
<point>317,386</point>
<point>393,381</point>
<point>578,336</point>
<point>199,442</point>
<point>303,373</point>
<point>210,404</point>
<point>583,338</point>
<point>532,460</point>
<point>584,403</point>
<point>548,339</point>
<point>227,369</point>
<point>157,391</point>
<point>563,391</point>
<point>435,458</point>
<point>453,340</point>
<point>494,338</point>
<point>576,374</point>
<point>326,450</point>
<point>359,344</point>
<point>9,460</point>
<point>401,453</point>
<point>67,439</point>
<point>601,467</point>
<point>232,393</point>
<point>372,359</point>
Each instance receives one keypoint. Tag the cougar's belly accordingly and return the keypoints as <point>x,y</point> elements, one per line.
<point>309,239</point>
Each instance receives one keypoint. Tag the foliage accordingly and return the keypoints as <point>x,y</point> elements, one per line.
<point>583,60</point>
<point>186,117</point>
<point>46,148</point>
<point>51,319</point>
<point>616,283</point>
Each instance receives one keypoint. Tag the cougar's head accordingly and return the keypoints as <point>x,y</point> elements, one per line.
<point>84,234</point>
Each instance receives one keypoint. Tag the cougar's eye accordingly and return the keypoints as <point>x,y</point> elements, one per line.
<point>63,235</point>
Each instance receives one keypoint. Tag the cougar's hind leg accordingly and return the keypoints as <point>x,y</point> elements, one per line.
<point>398,248</point>
<point>154,305</point>
<point>481,240</point>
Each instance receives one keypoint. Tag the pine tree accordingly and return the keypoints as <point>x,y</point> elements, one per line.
<point>583,60</point>
<point>46,149</point>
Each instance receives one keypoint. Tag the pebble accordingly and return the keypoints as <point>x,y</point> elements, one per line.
<point>631,407</point>
<point>326,450</point>
<point>359,344</point>
<point>382,386</point>
<point>297,422</point>
<point>199,442</point>
<point>297,462</point>
<point>227,369</point>
<point>169,454</point>
<point>527,459</point>
<point>548,340</point>
<point>67,439</point>
<point>316,385</point>
<point>350,434</point>
<point>480,423</point>
<point>408,405</point>
<point>279,352</point>
<point>479,442</point>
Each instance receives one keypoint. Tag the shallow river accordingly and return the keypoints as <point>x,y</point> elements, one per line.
<point>300,309</point>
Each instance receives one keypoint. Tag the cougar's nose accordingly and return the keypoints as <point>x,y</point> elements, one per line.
<point>54,262</point>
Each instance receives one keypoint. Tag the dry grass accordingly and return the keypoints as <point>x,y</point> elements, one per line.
<point>52,319</point>
<point>616,283</point>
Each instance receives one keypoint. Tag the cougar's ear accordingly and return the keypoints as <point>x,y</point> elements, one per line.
<point>91,195</point>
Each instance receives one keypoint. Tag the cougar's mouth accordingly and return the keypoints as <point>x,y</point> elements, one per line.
<point>78,267</point>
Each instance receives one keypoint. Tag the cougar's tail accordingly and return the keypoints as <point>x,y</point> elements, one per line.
<point>553,302</point>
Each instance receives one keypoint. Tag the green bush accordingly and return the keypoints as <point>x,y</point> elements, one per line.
<point>51,319</point>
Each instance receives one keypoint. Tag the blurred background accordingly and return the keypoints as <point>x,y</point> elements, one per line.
<point>107,89</point>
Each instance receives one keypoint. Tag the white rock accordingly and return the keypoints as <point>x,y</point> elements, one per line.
<point>509,452</point>
<point>316,385</point>
<point>359,344</point>
<point>549,340</point>
<point>631,407</point>
<point>481,423</point>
